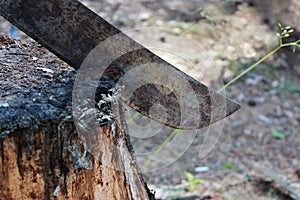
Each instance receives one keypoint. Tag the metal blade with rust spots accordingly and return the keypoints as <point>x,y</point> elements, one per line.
<point>71,31</point>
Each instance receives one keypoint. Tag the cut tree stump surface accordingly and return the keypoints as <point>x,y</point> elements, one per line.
<point>41,154</point>
<point>35,86</point>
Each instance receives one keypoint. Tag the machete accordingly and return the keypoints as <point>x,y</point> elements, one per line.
<point>71,31</point>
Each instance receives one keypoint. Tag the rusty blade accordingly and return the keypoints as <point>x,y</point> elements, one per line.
<point>71,31</point>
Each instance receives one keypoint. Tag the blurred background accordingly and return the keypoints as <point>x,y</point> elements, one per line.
<point>214,41</point>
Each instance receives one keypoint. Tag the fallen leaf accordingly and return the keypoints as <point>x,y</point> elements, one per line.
<point>277,134</point>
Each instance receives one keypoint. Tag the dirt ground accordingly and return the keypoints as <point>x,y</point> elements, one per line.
<point>213,42</point>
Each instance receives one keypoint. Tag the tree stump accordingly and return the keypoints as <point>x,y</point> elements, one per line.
<point>41,153</point>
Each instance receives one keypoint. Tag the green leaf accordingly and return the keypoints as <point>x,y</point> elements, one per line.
<point>277,134</point>
<point>197,180</point>
<point>229,165</point>
<point>192,187</point>
<point>189,176</point>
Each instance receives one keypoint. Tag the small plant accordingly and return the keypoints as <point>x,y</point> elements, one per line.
<point>229,165</point>
<point>192,181</point>
<point>284,32</point>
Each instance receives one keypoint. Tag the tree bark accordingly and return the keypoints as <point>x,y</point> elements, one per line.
<point>41,153</point>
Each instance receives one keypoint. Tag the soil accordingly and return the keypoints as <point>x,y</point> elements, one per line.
<point>213,41</point>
